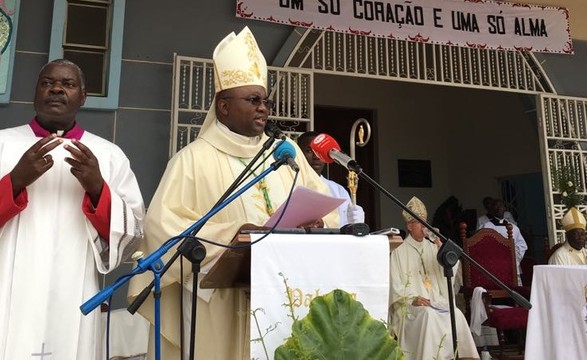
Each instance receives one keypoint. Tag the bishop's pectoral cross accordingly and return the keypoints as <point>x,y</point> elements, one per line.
<point>42,353</point>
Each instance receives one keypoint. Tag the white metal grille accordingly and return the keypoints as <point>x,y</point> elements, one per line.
<point>347,54</point>
<point>564,144</point>
<point>193,92</point>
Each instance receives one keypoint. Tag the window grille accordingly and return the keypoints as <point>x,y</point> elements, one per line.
<point>86,41</point>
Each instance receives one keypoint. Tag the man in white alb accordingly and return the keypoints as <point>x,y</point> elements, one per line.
<point>498,222</point>
<point>419,297</point>
<point>70,208</point>
<point>348,213</point>
<point>488,202</point>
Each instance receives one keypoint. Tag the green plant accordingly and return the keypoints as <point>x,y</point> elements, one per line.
<point>338,327</point>
<point>566,182</point>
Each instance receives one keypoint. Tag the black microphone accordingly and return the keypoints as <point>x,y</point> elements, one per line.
<point>285,151</point>
<point>273,131</point>
<point>328,150</point>
<point>357,229</point>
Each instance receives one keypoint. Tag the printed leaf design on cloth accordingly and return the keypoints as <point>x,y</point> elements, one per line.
<point>338,327</point>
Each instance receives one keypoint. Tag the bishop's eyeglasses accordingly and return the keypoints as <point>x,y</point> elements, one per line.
<point>255,100</point>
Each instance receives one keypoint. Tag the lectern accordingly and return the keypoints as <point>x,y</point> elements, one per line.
<point>232,268</point>
<point>311,265</point>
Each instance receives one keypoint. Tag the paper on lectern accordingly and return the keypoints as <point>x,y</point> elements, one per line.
<point>305,206</point>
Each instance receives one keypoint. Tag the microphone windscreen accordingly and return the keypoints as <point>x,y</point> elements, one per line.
<point>322,144</point>
<point>283,150</point>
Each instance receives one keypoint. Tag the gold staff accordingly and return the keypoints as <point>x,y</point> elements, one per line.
<point>353,178</point>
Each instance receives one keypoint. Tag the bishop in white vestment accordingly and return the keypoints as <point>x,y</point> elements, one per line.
<point>573,251</point>
<point>419,298</point>
<point>195,178</point>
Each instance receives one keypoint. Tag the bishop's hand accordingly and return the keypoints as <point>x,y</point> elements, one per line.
<point>420,301</point>
<point>313,224</point>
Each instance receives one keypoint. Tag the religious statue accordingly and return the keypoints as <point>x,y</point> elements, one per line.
<point>352,177</point>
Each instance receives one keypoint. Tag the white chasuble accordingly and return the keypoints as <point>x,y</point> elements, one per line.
<point>194,180</point>
<point>567,255</point>
<point>424,332</point>
<point>262,199</point>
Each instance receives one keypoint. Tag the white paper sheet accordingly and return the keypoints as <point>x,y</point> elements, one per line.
<point>304,206</point>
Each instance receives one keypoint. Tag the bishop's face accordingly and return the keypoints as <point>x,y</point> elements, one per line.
<point>243,110</point>
<point>576,238</point>
<point>416,230</point>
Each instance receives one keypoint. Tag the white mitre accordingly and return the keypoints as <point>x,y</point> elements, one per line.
<point>573,219</point>
<point>417,207</point>
<point>238,61</point>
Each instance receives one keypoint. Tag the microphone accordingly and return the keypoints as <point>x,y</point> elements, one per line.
<point>273,131</point>
<point>328,150</point>
<point>285,151</point>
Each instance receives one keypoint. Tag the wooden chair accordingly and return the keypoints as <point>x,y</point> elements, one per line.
<point>497,255</point>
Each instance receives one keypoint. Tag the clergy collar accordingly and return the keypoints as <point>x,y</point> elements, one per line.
<point>413,242</point>
<point>238,137</point>
<point>497,221</point>
<point>226,141</point>
<point>75,132</point>
<point>571,249</point>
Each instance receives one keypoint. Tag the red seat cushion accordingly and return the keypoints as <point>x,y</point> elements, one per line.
<point>508,318</point>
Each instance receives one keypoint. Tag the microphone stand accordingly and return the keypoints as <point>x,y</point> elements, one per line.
<point>195,252</point>
<point>153,261</point>
<point>448,255</point>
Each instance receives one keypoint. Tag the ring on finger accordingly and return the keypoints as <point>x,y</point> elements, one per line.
<point>46,161</point>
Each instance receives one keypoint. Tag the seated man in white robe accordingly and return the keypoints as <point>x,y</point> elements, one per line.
<point>419,297</point>
<point>573,251</point>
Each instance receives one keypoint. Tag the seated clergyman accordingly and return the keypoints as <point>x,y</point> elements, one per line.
<point>419,297</point>
<point>573,251</point>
